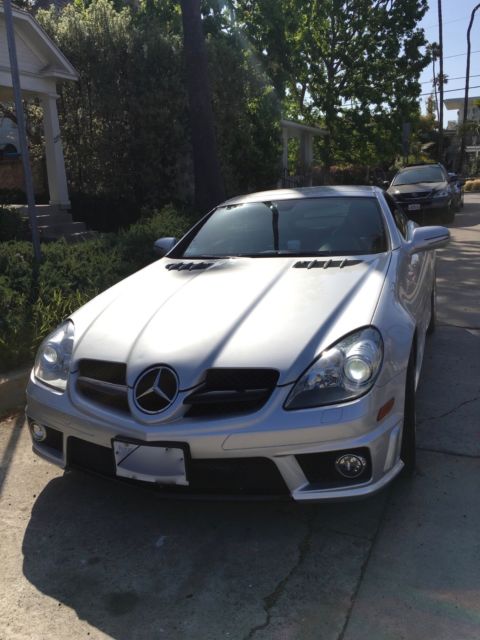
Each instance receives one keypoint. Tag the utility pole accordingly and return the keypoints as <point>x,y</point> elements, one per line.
<point>22,133</point>
<point>467,82</point>
<point>440,83</point>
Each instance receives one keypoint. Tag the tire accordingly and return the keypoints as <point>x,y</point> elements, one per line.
<point>449,215</point>
<point>408,450</point>
<point>433,311</point>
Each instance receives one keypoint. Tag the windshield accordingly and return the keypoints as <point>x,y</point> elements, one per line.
<point>312,227</point>
<point>419,174</point>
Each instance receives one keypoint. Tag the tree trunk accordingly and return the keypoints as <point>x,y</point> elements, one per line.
<point>209,188</point>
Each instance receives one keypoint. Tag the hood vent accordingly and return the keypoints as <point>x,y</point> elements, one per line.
<point>325,264</point>
<point>188,266</point>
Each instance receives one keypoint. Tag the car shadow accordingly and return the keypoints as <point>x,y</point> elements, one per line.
<point>134,565</point>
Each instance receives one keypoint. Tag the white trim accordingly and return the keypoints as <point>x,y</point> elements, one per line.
<point>24,21</point>
<point>316,131</point>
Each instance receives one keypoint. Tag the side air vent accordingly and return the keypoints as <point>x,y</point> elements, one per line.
<point>325,264</point>
<point>188,266</point>
<point>231,391</point>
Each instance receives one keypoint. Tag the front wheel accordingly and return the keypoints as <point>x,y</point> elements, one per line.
<point>449,215</point>
<point>408,450</point>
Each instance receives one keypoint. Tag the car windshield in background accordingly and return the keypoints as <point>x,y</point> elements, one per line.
<point>419,174</point>
<point>310,227</point>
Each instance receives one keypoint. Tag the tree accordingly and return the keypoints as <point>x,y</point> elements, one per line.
<point>209,188</point>
<point>125,124</point>
<point>341,64</point>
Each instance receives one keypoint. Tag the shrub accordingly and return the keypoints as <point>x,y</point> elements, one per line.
<point>34,299</point>
<point>12,225</point>
<point>135,244</point>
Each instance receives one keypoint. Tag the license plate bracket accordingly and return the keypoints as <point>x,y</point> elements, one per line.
<point>164,463</point>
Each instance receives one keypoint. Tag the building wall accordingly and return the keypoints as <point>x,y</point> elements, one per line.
<point>11,175</point>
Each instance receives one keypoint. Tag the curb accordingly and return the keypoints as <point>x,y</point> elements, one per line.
<point>12,389</point>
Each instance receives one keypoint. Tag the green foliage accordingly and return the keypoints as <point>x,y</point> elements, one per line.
<point>125,124</point>
<point>353,67</point>
<point>247,116</point>
<point>12,225</point>
<point>33,300</point>
<point>12,196</point>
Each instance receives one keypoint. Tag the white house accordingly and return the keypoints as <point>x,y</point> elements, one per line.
<point>41,66</point>
<point>473,112</point>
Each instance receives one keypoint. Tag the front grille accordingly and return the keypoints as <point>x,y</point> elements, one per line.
<point>103,383</point>
<point>248,476</point>
<point>227,476</point>
<point>92,457</point>
<point>224,391</point>
<point>231,391</point>
<point>410,197</point>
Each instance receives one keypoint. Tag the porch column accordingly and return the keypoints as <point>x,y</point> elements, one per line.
<point>306,156</point>
<point>57,179</point>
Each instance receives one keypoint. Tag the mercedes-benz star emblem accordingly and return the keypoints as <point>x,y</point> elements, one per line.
<point>156,389</point>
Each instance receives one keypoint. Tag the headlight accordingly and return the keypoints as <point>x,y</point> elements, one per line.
<point>343,372</point>
<point>53,357</point>
<point>441,194</point>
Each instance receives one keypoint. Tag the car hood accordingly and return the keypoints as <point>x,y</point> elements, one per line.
<point>243,312</point>
<point>417,187</point>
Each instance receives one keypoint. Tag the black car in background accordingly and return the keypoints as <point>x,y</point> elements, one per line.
<point>425,191</point>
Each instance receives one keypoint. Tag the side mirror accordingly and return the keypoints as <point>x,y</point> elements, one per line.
<point>163,245</point>
<point>385,184</point>
<point>428,238</point>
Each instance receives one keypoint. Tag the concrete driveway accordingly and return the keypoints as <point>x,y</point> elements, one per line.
<point>82,557</point>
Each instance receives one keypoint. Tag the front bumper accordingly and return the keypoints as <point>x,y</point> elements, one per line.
<point>428,206</point>
<point>271,451</point>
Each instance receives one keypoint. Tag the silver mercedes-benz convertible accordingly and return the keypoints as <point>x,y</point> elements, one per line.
<point>274,349</point>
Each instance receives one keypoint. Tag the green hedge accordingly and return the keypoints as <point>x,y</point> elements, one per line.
<point>34,299</point>
<point>12,225</point>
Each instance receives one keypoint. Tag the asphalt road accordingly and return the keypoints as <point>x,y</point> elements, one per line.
<point>83,557</point>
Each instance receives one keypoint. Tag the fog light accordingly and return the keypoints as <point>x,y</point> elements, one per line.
<point>39,433</point>
<point>350,465</point>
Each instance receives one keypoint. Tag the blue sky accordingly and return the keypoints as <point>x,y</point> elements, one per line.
<point>456,16</point>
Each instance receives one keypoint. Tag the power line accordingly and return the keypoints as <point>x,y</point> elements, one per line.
<point>450,90</point>
<point>430,26</point>
<point>458,55</point>
<point>448,78</point>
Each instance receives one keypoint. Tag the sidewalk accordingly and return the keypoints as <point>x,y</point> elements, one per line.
<point>422,579</point>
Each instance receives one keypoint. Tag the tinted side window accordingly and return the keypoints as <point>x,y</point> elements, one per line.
<point>399,216</point>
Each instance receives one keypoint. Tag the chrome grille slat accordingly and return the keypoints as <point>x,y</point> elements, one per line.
<point>230,391</point>
<point>102,385</point>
